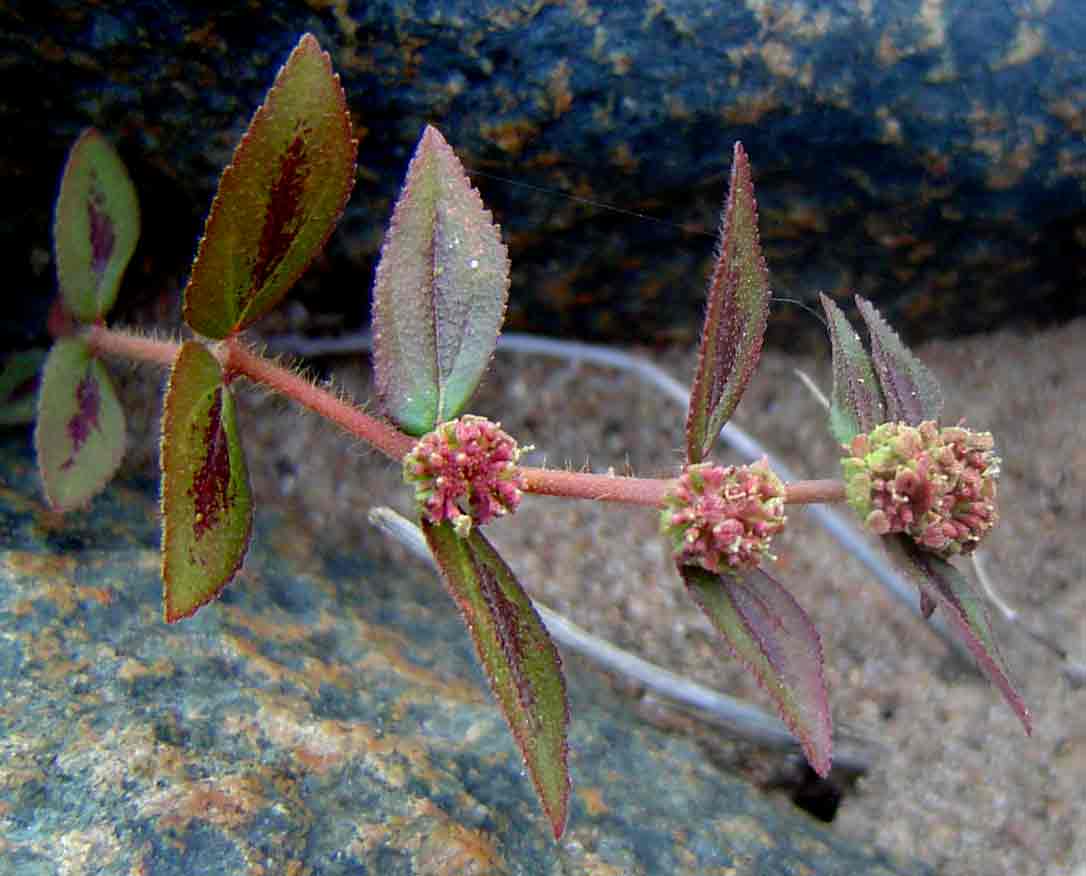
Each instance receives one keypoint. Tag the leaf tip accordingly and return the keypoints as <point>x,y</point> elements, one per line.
<point>736,313</point>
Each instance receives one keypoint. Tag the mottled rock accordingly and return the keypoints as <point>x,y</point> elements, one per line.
<point>927,153</point>
<point>324,717</point>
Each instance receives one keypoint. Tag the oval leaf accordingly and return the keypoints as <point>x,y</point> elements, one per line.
<point>773,637</point>
<point>517,653</point>
<point>941,585</point>
<point>278,200</point>
<point>856,405</point>
<point>80,433</point>
<point>95,226</point>
<point>440,292</point>
<point>912,393</point>
<point>735,316</point>
<point>206,504</point>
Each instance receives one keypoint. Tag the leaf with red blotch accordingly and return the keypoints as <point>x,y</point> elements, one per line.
<point>856,404</point>
<point>96,224</point>
<point>278,200</point>
<point>945,587</point>
<point>440,292</point>
<point>771,634</point>
<point>207,508</point>
<point>735,317</point>
<point>80,433</point>
<point>911,391</point>
<point>517,653</point>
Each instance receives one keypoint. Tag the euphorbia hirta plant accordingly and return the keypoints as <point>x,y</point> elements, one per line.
<point>438,304</point>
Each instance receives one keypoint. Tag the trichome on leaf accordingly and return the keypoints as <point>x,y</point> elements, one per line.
<point>440,292</point>
<point>207,512</point>
<point>439,301</point>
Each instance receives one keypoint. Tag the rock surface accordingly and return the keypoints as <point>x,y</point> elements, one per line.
<point>325,717</point>
<point>928,153</point>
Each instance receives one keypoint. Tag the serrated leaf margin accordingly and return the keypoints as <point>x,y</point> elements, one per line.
<point>225,292</point>
<point>493,595</point>
<point>752,612</point>
<point>195,377</point>
<point>736,314</point>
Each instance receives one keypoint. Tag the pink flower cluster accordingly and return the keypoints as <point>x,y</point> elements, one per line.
<point>465,471</point>
<point>723,518</point>
<point>937,485</point>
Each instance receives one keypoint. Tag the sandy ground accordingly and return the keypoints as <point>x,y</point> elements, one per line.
<point>956,782</point>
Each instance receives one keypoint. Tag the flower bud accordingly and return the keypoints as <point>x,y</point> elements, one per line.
<point>936,485</point>
<point>724,518</point>
<point>465,471</point>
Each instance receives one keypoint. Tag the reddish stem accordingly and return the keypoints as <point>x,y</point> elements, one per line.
<point>131,346</point>
<point>238,359</point>
<point>651,491</point>
<point>601,488</point>
<point>391,442</point>
<point>814,492</point>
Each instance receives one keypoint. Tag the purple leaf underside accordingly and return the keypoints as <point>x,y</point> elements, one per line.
<point>735,317</point>
<point>941,585</point>
<point>771,634</point>
<point>912,393</point>
<point>517,654</point>
<point>856,405</point>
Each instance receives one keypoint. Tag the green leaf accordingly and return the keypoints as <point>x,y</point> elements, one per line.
<point>773,637</point>
<point>207,508</point>
<point>942,584</point>
<point>856,405</point>
<point>278,200</point>
<point>80,433</point>
<point>912,393</point>
<point>517,653</point>
<point>735,317</point>
<point>440,292</point>
<point>19,386</point>
<point>95,226</point>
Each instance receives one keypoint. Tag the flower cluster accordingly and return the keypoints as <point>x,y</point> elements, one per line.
<point>465,471</point>
<point>937,485</point>
<point>723,519</point>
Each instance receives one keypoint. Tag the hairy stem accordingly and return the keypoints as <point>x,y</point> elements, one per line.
<point>238,359</point>
<point>602,488</point>
<point>128,345</point>
<point>241,360</point>
<point>814,492</point>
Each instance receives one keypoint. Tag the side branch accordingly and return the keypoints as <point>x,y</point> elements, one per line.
<point>239,359</point>
<point>131,346</point>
